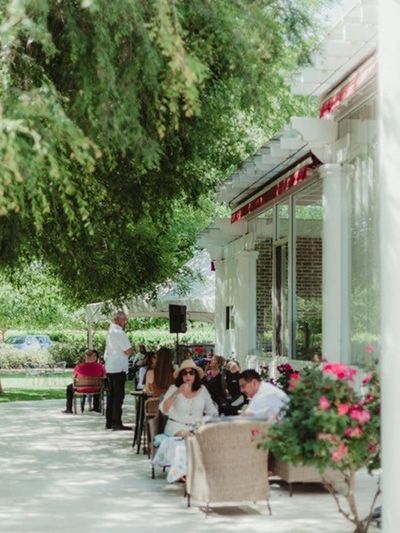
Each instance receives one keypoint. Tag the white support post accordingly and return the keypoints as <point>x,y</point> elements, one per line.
<point>335,264</point>
<point>221,346</point>
<point>245,305</point>
<point>389,156</point>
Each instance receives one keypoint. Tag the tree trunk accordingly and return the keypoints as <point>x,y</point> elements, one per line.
<point>361,528</point>
<point>1,388</point>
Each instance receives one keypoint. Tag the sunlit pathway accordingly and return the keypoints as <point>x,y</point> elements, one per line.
<point>66,473</point>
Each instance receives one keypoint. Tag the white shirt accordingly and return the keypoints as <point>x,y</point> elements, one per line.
<point>185,412</point>
<point>116,344</point>
<point>267,402</point>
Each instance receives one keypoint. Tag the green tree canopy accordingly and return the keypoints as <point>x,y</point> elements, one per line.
<point>119,118</point>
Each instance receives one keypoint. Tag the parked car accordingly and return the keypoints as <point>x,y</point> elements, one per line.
<point>44,341</point>
<point>34,342</point>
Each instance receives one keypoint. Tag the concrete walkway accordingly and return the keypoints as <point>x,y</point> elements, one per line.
<point>63,473</point>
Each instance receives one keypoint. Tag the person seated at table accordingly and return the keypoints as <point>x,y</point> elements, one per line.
<point>135,362</point>
<point>235,398</point>
<point>89,368</point>
<point>159,378</point>
<point>215,383</point>
<point>266,400</point>
<point>149,362</point>
<point>185,403</point>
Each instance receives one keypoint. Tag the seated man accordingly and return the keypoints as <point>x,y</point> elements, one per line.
<point>90,368</point>
<point>266,400</point>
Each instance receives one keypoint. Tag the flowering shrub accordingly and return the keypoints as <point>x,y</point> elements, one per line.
<point>328,425</point>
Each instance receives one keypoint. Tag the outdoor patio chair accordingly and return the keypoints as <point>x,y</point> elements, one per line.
<point>60,366</point>
<point>225,464</point>
<point>150,411</point>
<point>85,386</point>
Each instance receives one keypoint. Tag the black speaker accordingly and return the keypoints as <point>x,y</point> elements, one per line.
<point>177,319</point>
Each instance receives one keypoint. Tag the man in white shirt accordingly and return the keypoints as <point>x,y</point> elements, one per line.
<point>266,400</point>
<point>118,349</point>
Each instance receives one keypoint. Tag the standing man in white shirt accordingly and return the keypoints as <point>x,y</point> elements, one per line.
<point>266,400</point>
<point>118,350</point>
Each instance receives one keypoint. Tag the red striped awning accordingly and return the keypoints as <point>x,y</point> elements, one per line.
<point>277,190</point>
<point>361,77</point>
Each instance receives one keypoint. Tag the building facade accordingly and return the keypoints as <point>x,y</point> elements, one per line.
<point>297,263</point>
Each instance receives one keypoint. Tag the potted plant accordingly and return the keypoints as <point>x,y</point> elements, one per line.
<point>328,424</point>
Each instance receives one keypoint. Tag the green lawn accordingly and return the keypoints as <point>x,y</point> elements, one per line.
<point>15,395</point>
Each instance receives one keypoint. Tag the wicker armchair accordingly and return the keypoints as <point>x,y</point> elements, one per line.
<point>150,411</point>
<point>225,464</point>
<point>304,474</point>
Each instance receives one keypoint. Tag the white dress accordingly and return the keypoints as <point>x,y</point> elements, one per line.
<point>185,414</point>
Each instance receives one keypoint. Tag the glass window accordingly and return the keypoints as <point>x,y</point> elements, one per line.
<point>363,188</point>
<point>282,222</point>
<point>308,271</point>
<point>281,305</point>
<point>263,225</point>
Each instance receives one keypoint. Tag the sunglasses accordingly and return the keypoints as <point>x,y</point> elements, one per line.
<point>188,372</point>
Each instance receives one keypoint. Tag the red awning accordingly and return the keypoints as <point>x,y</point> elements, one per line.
<point>275,191</point>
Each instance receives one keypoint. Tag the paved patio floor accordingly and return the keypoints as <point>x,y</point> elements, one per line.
<point>62,473</point>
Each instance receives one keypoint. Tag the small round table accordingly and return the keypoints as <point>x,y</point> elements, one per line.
<point>141,397</point>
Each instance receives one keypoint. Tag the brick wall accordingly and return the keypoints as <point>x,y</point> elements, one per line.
<point>264,293</point>
<point>309,266</point>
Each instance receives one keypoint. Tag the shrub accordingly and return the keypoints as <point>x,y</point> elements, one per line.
<point>70,346</point>
<point>329,425</point>
<point>12,358</point>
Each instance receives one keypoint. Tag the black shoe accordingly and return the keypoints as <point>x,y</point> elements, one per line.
<point>121,428</point>
<point>107,427</point>
<point>67,412</point>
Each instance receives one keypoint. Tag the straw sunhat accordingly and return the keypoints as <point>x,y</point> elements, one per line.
<point>188,363</point>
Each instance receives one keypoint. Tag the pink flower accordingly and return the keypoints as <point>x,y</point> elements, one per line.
<point>355,433</point>
<point>372,447</point>
<point>340,453</point>
<point>369,398</point>
<point>369,348</point>
<point>254,434</point>
<point>340,371</point>
<point>324,403</point>
<point>294,379</point>
<point>327,436</point>
<point>285,368</point>
<point>367,379</point>
<point>362,416</point>
<point>343,409</point>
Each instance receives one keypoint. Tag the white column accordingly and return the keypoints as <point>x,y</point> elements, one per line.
<point>335,264</point>
<point>220,308</point>
<point>389,155</point>
<point>245,305</point>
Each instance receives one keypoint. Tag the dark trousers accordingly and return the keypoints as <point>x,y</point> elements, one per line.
<point>70,397</point>
<point>115,399</point>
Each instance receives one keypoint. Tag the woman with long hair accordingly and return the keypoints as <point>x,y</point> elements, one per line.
<point>149,362</point>
<point>159,379</point>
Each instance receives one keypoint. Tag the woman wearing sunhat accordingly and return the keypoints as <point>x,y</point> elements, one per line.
<point>185,403</point>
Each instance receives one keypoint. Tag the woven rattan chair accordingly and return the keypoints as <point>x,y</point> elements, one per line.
<point>225,464</point>
<point>150,411</point>
<point>304,474</point>
<point>81,384</point>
